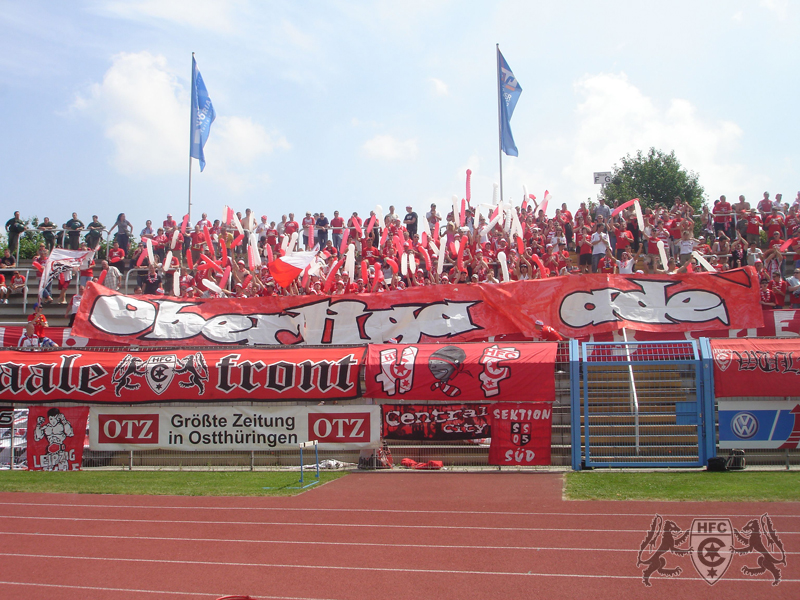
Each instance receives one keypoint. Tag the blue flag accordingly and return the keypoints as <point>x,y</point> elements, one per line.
<point>203,116</point>
<point>509,90</point>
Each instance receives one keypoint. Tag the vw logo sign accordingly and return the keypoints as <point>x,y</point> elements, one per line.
<point>744,425</point>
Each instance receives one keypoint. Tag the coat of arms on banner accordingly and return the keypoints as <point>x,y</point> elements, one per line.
<point>712,548</point>
<point>397,372</point>
<point>493,372</point>
<point>158,371</point>
<point>722,358</point>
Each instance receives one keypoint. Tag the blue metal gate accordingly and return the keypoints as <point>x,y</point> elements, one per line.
<point>640,404</point>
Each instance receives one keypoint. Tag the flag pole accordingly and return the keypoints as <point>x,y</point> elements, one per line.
<point>499,123</point>
<point>191,124</point>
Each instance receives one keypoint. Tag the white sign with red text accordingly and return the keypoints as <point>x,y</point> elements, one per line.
<point>249,428</point>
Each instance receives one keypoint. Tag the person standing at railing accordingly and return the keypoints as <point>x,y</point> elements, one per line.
<point>14,227</point>
<point>47,227</point>
<point>95,233</point>
<point>113,276</point>
<point>74,305</point>
<point>74,227</point>
<point>116,256</point>
<point>87,273</point>
<point>124,229</point>
<point>337,227</point>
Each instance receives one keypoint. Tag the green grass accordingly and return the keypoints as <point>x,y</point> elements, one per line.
<point>759,486</point>
<point>161,483</point>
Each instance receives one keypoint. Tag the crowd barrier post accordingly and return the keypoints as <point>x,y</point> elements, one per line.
<point>575,402</point>
<point>706,391</point>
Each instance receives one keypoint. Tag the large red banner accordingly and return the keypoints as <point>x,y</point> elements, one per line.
<point>777,323</point>
<point>56,438</point>
<point>574,305</point>
<point>436,422</point>
<point>756,367</point>
<point>180,375</point>
<point>521,434</point>
<point>502,371</point>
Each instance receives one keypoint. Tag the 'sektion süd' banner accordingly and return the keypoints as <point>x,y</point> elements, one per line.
<point>247,428</point>
<point>574,305</point>
<point>475,371</point>
<point>436,422</point>
<point>56,438</point>
<point>521,434</point>
<point>756,367</point>
<point>180,375</point>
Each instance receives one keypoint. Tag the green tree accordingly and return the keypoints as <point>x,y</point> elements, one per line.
<point>654,178</point>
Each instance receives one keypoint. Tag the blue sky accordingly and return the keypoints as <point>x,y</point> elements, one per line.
<point>344,105</point>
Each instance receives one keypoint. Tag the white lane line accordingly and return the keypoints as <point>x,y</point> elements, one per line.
<point>355,525</point>
<point>129,538</point>
<point>135,591</point>
<point>320,543</point>
<point>347,568</point>
<point>399,511</point>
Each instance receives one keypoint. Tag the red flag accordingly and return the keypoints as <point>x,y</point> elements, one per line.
<point>286,269</point>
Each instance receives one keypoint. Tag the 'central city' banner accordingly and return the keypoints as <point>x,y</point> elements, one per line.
<point>574,305</point>
<point>436,422</point>
<point>502,371</point>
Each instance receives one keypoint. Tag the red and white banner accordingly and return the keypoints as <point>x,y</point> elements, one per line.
<point>574,305</point>
<point>777,323</point>
<point>181,375</point>
<point>10,337</point>
<point>521,434</point>
<point>61,261</point>
<point>756,367</point>
<point>248,428</point>
<point>503,371</point>
<point>56,437</point>
<point>436,422</point>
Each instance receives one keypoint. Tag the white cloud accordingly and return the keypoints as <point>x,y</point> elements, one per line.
<point>738,16</point>
<point>387,147</point>
<point>439,87</point>
<point>779,7</point>
<point>199,14</point>
<point>615,118</point>
<point>144,111</point>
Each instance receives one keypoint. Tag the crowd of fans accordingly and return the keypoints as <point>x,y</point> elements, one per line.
<point>399,251</point>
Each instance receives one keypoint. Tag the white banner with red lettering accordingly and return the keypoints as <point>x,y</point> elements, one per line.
<point>574,305</point>
<point>248,428</point>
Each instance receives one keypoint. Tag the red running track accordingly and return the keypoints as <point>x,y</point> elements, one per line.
<point>362,537</point>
